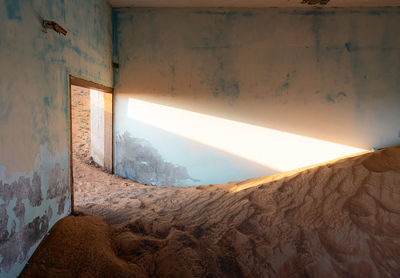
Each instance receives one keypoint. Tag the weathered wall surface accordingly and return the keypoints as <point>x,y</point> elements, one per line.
<point>34,125</point>
<point>326,74</point>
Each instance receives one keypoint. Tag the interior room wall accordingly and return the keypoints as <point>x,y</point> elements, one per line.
<point>34,113</point>
<point>329,77</point>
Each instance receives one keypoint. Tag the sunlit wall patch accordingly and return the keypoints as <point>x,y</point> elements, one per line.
<point>272,148</point>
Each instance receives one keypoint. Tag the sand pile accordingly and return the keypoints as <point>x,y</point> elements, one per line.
<point>341,219</point>
<point>78,247</point>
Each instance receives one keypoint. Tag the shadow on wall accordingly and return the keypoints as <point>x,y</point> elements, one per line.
<point>172,146</point>
<point>160,153</point>
<point>268,147</point>
<point>140,161</point>
<point>252,66</point>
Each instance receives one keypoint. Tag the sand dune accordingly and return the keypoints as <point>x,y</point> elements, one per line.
<point>341,219</point>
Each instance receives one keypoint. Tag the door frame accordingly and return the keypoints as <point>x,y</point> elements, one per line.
<point>77,81</point>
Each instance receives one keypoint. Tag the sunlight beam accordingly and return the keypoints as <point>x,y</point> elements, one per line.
<point>272,148</point>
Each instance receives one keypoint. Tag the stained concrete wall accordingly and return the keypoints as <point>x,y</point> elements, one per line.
<point>34,114</point>
<point>326,74</point>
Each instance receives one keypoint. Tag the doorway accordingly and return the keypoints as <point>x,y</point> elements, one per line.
<point>91,131</point>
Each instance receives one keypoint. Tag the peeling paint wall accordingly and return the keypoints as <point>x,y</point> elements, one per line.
<point>34,114</point>
<point>329,74</point>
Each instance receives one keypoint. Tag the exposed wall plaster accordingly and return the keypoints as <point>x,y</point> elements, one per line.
<point>34,114</point>
<point>30,204</point>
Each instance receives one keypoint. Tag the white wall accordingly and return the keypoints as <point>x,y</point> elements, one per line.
<point>284,85</point>
<point>97,126</point>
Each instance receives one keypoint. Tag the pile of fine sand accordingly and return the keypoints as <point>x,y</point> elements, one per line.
<point>340,219</point>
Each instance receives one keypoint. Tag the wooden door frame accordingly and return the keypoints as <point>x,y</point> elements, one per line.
<point>76,81</point>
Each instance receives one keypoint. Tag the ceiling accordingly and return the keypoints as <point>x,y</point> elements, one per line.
<point>253,3</point>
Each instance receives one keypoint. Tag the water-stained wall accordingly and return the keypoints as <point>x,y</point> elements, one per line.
<point>34,114</point>
<point>325,74</point>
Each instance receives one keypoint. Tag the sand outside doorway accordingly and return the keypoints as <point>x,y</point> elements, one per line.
<point>91,107</point>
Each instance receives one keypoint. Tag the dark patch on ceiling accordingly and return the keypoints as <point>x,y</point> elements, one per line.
<point>315,2</point>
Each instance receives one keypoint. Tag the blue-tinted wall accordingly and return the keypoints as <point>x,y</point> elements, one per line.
<point>322,76</point>
<point>34,125</point>
<point>330,75</point>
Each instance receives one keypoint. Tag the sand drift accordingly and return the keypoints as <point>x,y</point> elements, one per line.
<point>340,219</point>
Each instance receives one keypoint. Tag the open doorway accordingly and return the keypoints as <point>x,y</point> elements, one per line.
<point>91,111</point>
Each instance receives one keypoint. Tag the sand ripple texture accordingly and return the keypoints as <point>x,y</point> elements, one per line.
<point>340,219</point>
